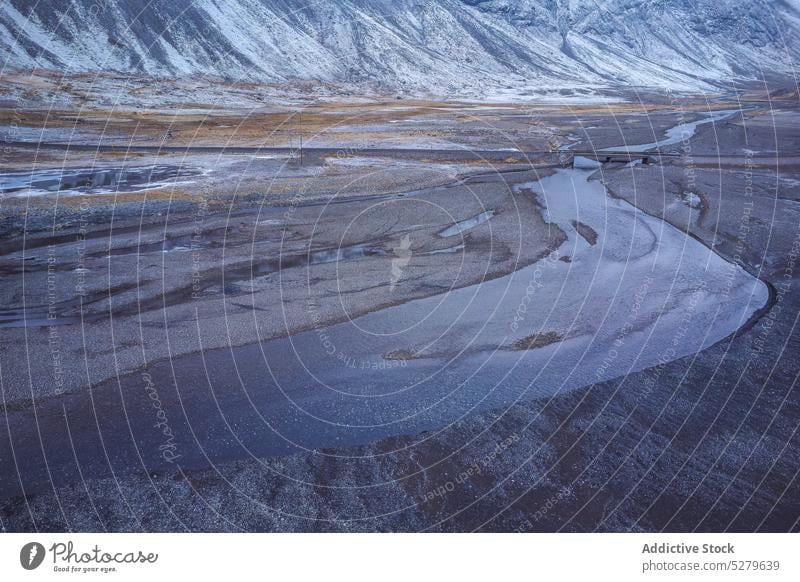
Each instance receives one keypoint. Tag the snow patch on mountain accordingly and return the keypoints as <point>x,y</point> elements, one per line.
<point>460,47</point>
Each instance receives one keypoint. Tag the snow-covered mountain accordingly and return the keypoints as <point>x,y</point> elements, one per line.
<point>459,46</point>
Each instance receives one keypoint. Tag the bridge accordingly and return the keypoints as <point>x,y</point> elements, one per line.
<point>618,156</point>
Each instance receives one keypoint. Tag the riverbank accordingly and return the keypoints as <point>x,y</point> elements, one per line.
<point>589,381</point>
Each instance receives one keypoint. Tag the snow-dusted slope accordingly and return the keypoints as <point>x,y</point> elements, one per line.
<point>439,45</point>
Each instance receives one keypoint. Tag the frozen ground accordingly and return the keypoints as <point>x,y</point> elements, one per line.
<point>453,356</point>
<point>102,180</point>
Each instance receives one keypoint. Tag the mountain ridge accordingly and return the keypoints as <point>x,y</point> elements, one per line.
<point>447,46</point>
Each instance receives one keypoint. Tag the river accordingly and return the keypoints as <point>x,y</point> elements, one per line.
<point>625,291</point>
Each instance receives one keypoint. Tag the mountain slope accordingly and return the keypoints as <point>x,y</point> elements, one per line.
<point>459,46</point>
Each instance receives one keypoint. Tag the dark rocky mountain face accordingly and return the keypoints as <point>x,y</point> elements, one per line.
<point>457,46</point>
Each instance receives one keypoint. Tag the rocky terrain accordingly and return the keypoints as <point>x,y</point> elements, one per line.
<point>378,265</point>
<point>484,48</point>
<point>554,432</point>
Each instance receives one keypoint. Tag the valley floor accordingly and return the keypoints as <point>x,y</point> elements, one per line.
<point>427,320</point>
